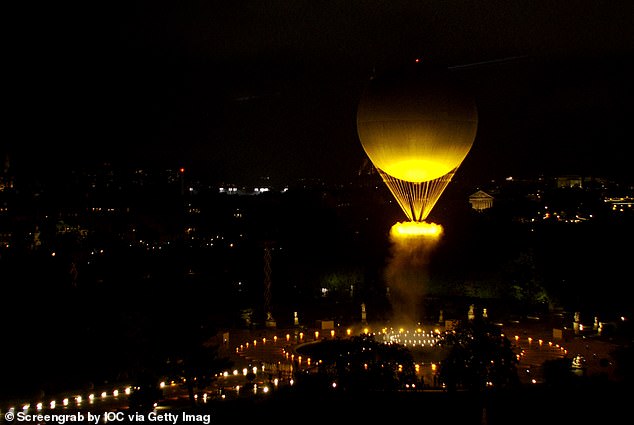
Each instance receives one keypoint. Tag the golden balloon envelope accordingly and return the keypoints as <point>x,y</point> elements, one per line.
<point>416,126</point>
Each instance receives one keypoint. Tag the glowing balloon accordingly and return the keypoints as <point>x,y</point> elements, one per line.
<point>416,126</point>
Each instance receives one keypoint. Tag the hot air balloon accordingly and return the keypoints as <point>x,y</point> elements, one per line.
<point>417,126</point>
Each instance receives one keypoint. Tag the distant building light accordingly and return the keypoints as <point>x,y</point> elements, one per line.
<point>480,200</point>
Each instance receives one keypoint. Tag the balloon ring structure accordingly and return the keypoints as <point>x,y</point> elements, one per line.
<point>417,126</point>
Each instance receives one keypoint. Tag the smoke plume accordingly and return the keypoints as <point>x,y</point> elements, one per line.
<point>407,273</point>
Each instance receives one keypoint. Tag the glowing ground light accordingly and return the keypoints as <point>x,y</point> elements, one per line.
<point>412,229</point>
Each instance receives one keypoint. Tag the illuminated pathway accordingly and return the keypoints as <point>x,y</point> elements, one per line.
<point>266,359</point>
<point>532,353</point>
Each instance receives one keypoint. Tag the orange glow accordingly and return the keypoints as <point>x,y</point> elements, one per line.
<point>417,170</point>
<point>409,229</point>
<point>416,128</point>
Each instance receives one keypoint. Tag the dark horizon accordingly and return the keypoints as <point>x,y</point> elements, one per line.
<point>272,89</point>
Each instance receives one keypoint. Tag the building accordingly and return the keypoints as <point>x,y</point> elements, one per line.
<point>480,200</point>
<point>569,181</point>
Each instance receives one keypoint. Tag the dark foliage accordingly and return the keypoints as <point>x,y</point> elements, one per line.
<point>360,364</point>
<point>479,357</point>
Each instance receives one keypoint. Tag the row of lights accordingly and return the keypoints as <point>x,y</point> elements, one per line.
<point>78,399</point>
<point>540,343</point>
<point>300,337</point>
<point>391,336</point>
<point>401,336</point>
<point>264,389</point>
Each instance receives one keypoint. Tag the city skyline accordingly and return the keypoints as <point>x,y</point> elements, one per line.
<point>187,197</point>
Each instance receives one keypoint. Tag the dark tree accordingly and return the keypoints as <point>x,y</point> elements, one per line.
<point>623,358</point>
<point>362,364</point>
<point>479,357</point>
<point>190,355</point>
<point>558,372</point>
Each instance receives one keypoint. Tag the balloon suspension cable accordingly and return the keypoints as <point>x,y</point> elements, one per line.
<point>417,199</point>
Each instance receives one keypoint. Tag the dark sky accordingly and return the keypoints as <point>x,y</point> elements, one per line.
<point>240,89</point>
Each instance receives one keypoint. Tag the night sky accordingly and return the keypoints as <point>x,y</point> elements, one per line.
<point>238,90</point>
